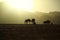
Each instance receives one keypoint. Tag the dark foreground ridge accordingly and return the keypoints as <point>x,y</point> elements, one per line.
<point>29,32</point>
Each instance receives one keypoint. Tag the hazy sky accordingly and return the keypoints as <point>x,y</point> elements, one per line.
<point>45,5</point>
<point>11,11</point>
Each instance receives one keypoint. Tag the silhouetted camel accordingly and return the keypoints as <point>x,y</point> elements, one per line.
<point>47,22</point>
<point>28,21</point>
<point>33,21</point>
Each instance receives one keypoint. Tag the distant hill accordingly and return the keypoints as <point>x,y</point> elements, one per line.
<point>18,17</point>
<point>52,16</point>
<point>55,17</point>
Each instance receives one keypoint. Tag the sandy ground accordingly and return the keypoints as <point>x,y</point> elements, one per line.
<point>29,32</point>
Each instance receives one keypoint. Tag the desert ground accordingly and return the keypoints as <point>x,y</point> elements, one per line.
<point>29,32</point>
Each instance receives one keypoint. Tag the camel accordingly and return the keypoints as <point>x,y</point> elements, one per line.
<point>28,21</point>
<point>47,22</point>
